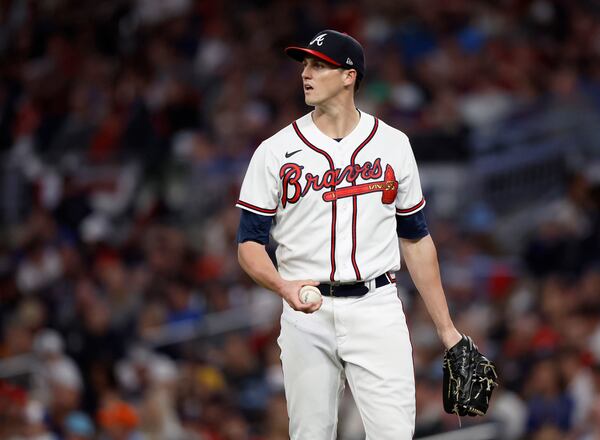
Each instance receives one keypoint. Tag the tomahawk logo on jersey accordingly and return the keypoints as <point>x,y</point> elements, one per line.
<point>347,194</point>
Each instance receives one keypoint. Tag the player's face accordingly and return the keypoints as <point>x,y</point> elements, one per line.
<point>321,81</point>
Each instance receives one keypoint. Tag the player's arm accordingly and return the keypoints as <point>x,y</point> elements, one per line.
<point>253,235</point>
<point>420,256</point>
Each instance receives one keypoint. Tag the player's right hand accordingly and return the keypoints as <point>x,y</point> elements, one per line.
<point>290,292</point>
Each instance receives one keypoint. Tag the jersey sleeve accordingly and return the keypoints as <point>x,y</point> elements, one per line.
<point>412,226</point>
<point>260,187</point>
<point>410,196</point>
<point>254,227</point>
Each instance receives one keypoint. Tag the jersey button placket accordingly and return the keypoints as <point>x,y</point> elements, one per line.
<point>344,227</point>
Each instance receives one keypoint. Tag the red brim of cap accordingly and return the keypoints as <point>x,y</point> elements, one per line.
<point>298,53</point>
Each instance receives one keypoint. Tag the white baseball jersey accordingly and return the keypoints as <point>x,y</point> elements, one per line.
<point>334,203</point>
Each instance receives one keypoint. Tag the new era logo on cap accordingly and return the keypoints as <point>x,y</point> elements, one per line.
<point>334,47</point>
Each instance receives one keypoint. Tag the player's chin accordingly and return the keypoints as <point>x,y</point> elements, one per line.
<point>310,99</point>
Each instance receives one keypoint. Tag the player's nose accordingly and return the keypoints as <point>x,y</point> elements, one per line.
<point>306,72</point>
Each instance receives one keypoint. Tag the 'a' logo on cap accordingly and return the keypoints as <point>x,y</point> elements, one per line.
<point>318,39</point>
<point>349,62</point>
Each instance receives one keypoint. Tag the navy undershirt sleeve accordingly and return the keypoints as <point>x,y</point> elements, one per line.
<point>254,227</point>
<point>412,226</point>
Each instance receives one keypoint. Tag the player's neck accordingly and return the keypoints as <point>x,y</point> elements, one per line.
<point>336,121</point>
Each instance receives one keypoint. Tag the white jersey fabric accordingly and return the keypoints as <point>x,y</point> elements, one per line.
<point>333,217</point>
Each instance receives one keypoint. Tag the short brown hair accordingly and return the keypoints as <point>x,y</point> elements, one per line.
<point>357,84</point>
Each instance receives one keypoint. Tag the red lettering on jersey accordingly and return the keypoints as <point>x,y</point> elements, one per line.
<point>291,175</point>
<point>329,179</point>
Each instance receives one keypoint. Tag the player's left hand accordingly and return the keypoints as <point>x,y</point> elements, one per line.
<point>469,378</point>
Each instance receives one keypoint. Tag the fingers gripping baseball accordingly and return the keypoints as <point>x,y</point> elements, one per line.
<point>291,293</point>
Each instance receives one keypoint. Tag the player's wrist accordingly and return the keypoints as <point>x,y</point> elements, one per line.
<point>280,287</point>
<point>450,336</point>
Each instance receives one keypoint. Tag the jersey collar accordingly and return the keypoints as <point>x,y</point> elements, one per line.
<point>321,140</point>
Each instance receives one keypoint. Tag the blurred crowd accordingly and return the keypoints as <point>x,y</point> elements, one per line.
<point>125,129</point>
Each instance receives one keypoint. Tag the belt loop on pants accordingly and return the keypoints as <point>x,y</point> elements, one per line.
<point>360,288</point>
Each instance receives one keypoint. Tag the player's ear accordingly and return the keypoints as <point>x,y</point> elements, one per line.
<point>349,76</point>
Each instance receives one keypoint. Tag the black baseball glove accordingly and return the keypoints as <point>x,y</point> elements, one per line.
<point>469,379</point>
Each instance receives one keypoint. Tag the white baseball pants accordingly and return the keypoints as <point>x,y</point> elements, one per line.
<point>363,339</point>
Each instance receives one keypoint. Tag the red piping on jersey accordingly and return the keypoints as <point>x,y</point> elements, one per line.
<point>256,208</point>
<point>355,201</point>
<point>333,204</point>
<point>409,210</point>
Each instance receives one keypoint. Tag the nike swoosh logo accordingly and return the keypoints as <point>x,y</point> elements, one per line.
<point>288,155</point>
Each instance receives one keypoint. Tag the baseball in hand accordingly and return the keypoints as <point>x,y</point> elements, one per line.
<point>310,294</point>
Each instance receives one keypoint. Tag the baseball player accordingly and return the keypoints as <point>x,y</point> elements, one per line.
<point>335,190</point>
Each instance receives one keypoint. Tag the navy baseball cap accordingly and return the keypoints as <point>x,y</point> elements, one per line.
<point>334,47</point>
